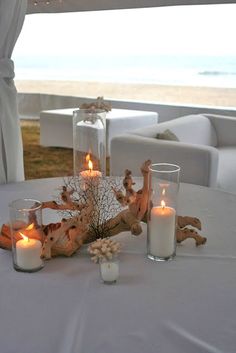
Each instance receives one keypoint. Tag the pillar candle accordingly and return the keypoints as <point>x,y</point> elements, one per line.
<point>162,231</point>
<point>28,253</point>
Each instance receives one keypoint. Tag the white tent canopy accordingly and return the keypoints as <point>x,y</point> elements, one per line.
<point>12,13</point>
<point>38,6</point>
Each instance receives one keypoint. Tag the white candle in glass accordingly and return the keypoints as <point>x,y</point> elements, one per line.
<point>90,176</point>
<point>90,173</point>
<point>162,231</point>
<point>109,271</point>
<point>28,253</point>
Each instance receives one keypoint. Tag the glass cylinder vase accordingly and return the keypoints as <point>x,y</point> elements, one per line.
<point>89,142</point>
<point>26,234</point>
<point>162,214</point>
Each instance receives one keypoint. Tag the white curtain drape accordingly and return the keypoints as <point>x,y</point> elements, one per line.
<point>12,14</point>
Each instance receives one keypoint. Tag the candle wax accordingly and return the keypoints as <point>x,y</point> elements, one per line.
<point>28,254</point>
<point>109,271</point>
<point>90,173</point>
<point>162,227</point>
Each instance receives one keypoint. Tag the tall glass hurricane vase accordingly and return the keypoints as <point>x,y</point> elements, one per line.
<point>89,142</point>
<point>162,218</point>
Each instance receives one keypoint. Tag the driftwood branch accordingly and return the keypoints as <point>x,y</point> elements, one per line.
<point>185,233</point>
<point>84,223</point>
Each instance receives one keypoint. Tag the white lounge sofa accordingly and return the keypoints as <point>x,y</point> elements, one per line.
<point>206,150</point>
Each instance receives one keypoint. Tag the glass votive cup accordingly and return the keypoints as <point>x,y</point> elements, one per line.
<point>162,213</point>
<point>109,270</point>
<point>26,234</point>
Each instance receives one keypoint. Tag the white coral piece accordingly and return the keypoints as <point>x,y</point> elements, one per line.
<point>103,249</point>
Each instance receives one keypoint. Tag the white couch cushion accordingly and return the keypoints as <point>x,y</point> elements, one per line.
<point>226,177</point>
<point>193,129</point>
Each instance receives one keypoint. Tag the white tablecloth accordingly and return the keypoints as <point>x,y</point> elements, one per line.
<point>186,305</point>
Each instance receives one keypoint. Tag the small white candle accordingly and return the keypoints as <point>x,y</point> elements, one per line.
<point>89,176</point>
<point>90,173</point>
<point>162,231</point>
<point>109,271</point>
<point>28,253</point>
<point>86,174</point>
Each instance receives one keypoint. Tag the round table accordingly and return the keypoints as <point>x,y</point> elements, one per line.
<point>184,305</point>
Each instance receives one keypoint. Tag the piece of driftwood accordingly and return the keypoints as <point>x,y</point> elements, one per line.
<point>184,232</point>
<point>83,225</point>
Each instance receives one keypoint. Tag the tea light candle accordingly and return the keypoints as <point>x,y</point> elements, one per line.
<point>28,253</point>
<point>109,271</point>
<point>162,231</point>
<point>90,174</point>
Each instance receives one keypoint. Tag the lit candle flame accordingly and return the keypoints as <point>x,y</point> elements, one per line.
<point>87,158</point>
<point>90,165</point>
<point>163,204</point>
<point>24,236</point>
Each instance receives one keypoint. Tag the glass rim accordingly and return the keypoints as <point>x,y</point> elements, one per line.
<point>175,168</point>
<point>37,205</point>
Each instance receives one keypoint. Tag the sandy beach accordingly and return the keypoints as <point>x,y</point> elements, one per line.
<point>223,97</point>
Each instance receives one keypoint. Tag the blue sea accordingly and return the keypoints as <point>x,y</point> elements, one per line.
<point>211,71</point>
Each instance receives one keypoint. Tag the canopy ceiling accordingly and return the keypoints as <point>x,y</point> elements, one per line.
<point>38,6</point>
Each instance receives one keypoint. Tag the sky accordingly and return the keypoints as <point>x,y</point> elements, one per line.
<point>194,30</point>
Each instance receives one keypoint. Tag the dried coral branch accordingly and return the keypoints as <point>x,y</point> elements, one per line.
<point>93,212</point>
<point>124,221</point>
<point>5,237</point>
<point>183,221</point>
<point>98,104</point>
<point>185,233</point>
<point>62,207</point>
<point>66,196</point>
<point>143,195</point>
<point>103,249</point>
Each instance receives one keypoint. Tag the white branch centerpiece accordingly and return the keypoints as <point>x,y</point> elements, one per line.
<point>100,208</point>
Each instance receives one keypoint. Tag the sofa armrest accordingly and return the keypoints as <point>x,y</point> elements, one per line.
<point>198,163</point>
<point>225,127</point>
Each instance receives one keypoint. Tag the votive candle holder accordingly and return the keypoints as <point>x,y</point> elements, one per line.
<point>26,234</point>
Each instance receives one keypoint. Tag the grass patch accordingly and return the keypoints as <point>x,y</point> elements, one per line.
<point>43,162</point>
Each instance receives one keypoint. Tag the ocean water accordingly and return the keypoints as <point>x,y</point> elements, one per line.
<point>210,71</point>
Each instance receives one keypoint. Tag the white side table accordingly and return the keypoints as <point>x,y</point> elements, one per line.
<point>56,127</point>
